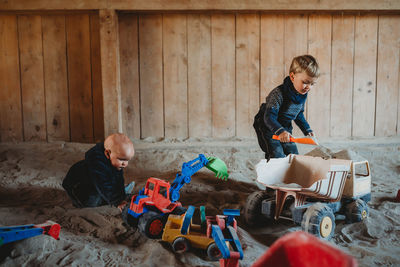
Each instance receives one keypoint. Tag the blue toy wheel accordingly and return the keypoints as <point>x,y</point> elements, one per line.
<point>356,211</point>
<point>319,220</point>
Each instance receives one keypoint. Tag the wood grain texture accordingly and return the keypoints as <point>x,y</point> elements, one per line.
<point>319,35</point>
<point>199,75</point>
<point>223,75</point>
<point>79,78</point>
<point>295,44</point>
<point>129,60</point>
<point>151,76</point>
<point>55,77</point>
<point>110,71</point>
<point>247,72</point>
<point>10,87</point>
<point>32,80</point>
<point>175,75</point>
<point>342,75</point>
<point>365,58</point>
<point>205,5</point>
<point>272,53</point>
<point>97,90</point>
<point>388,76</point>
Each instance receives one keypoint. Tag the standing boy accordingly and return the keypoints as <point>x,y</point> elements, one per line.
<point>283,105</point>
<point>99,178</point>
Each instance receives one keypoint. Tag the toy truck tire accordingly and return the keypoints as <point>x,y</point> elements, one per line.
<point>213,252</point>
<point>319,220</point>
<point>252,210</point>
<point>180,245</point>
<point>152,224</point>
<point>128,219</point>
<point>356,211</point>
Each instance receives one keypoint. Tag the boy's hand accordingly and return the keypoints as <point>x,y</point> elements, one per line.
<point>122,205</point>
<point>284,137</point>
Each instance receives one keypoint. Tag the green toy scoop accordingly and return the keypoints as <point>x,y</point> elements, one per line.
<point>218,166</point>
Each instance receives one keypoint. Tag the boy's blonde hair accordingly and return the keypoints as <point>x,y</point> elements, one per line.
<point>305,63</point>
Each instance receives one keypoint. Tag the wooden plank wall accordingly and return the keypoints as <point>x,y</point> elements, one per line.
<point>50,77</point>
<point>206,74</point>
<point>195,75</point>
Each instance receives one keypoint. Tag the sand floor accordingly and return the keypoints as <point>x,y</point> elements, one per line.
<point>31,192</point>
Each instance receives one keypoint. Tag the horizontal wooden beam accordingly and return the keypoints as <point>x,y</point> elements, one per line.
<point>203,5</point>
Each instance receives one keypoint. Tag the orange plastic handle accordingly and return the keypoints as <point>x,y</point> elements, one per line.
<point>275,137</point>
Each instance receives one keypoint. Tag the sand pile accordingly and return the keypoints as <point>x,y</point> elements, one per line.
<point>30,192</point>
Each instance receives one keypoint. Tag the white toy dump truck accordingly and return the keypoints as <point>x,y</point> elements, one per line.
<point>311,191</point>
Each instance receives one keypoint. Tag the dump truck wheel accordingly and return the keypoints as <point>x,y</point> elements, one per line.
<point>152,224</point>
<point>252,210</point>
<point>129,219</point>
<point>319,220</point>
<point>213,252</point>
<point>180,245</point>
<point>356,211</point>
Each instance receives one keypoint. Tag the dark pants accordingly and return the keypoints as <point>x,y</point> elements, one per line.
<point>272,148</point>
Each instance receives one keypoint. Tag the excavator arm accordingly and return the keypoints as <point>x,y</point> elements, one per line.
<point>185,176</point>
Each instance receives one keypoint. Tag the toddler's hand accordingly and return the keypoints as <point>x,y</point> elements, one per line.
<point>122,205</point>
<point>284,137</point>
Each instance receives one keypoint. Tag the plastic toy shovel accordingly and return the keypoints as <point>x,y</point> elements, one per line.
<point>218,166</point>
<point>308,140</point>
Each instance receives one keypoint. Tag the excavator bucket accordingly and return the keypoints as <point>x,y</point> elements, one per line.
<point>218,166</point>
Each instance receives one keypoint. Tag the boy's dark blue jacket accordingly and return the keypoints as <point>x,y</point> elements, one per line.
<point>283,105</point>
<point>95,176</point>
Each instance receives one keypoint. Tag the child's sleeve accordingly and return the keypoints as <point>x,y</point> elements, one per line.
<point>273,104</point>
<point>302,123</point>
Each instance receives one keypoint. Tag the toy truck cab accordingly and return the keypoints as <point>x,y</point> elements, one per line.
<point>358,182</point>
<point>311,191</point>
<point>156,194</point>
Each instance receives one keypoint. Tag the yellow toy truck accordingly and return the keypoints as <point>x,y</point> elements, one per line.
<point>216,234</point>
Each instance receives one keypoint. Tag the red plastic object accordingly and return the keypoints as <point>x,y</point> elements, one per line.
<point>50,228</point>
<point>233,261</point>
<point>398,196</point>
<point>154,197</point>
<point>300,249</point>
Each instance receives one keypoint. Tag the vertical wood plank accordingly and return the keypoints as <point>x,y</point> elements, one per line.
<point>342,75</point>
<point>272,53</point>
<point>365,53</point>
<point>110,72</point>
<point>223,75</point>
<point>151,76</point>
<point>32,80</point>
<point>319,97</point>
<point>296,31</point>
<point>79,78</point>
<point>175,75</point>
<point>55,77</point>
<point>199,75</point>
<point>10,88</point>
<point>97,91</point>
<point>247,72</point>
<point>387,96</point>
<point>129,53</point>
